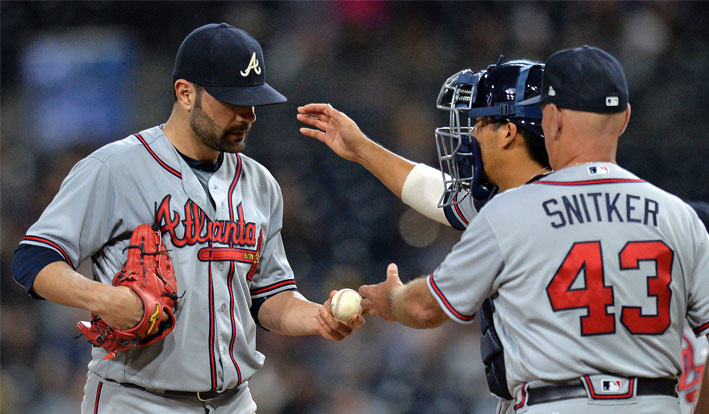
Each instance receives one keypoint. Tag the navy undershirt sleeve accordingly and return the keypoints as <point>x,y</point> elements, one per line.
<point>28,261</point>
<point>256,305</point>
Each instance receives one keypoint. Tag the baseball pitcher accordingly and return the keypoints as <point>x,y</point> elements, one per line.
<point>177,204</point>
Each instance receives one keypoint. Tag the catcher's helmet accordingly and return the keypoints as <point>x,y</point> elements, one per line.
<point>494,92</point>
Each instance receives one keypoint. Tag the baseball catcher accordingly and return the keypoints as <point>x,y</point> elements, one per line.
<point>149,273</point>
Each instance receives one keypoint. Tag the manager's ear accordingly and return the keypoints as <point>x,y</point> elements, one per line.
<point>627,120</point>
<point>552,118</point>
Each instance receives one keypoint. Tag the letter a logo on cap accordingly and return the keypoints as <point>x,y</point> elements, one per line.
<point>552,92</point>
<point>253,64</point>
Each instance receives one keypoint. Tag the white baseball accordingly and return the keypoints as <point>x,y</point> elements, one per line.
<point>345,304</point>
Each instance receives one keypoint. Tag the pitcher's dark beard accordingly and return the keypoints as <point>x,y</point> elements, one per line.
<point>211,134</point>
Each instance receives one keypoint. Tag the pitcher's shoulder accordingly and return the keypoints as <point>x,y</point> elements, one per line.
<point>151,141</point>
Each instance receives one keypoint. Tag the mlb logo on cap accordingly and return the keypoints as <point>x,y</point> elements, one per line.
<point>608,385</point>
<point>612,101</point>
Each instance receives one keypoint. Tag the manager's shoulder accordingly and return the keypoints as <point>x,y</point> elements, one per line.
<point>702,209</point>
<point>665,197</point>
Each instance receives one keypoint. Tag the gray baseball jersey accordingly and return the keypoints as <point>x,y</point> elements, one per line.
<point>593,270</point>
<point>461,214</point>
<point>694,356</point>
<point>225,255</point>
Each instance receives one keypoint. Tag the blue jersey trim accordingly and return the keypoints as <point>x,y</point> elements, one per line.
<point>453,219</point>
<point>28,261</point>
<point>451,309</point>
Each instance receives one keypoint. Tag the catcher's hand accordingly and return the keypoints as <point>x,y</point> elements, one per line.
<point>334,128</point>
<point>149,273</point>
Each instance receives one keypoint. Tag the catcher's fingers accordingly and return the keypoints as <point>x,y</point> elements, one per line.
<point>370,307</point>
<point>317,108</point>
<point>377,298</point>
<point>317,122</point>
<point>393,275</point>
<point>319,133</point>
<point>367,308</point>
<point>313,133</point>
<point>310,111</point>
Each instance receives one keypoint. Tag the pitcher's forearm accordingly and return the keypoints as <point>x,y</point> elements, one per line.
<point>289,313</point>
<point>59,283</point>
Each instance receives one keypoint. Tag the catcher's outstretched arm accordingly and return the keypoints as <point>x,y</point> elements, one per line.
<point>417,185</point>
<point>344,137</point>
<point>119,307</point>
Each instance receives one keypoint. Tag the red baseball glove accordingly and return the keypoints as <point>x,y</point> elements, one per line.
<point>149,272</point>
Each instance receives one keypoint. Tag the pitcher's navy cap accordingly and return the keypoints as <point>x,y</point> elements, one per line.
<point>584,79</point>
<point>228,63</point>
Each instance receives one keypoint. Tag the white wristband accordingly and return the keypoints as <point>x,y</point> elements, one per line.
<point>422,189</point>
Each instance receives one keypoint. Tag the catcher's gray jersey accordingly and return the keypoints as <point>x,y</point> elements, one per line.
<point>225,255</point>
<point>593,270</point>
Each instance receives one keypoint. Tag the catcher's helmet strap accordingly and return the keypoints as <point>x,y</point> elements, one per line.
<point>506,110</point>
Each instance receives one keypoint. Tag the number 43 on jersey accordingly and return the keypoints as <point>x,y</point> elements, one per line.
<point>596,296</point>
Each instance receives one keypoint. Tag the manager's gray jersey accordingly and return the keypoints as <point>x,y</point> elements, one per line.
<point>593,270</point>
<point>225,256</point>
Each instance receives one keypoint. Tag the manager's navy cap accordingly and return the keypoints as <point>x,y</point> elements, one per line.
<point>228,63</point>
<point>584,79</point>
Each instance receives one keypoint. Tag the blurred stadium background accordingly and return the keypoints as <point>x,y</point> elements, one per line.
<point>76,75</point>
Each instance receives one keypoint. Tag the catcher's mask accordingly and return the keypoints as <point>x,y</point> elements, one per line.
<point>494,92</point>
